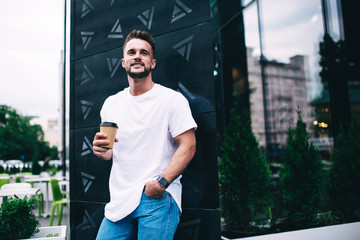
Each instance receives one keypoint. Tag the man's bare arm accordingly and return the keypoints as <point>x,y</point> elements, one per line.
<point>182,156</point>
<point>178,163</point>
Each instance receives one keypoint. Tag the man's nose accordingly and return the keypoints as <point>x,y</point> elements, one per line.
<point>137,55</point>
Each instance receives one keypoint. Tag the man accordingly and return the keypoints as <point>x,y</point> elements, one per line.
<point>154,144</point>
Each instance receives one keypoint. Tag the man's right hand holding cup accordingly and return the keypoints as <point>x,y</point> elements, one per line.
<point>104,140</point>
<point>100,140</point>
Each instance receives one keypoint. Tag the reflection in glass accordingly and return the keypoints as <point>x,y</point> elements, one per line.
<point>332,19</point>
<point>291,32</point>
<point>245,3</point>
<point>296,59</point>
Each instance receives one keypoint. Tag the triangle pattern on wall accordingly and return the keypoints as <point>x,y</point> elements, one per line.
<point>86,147</point>
<point>86,76</point>
<point>116,31</point>
<point>87,8</point>
<point>147,17</point>
<point>87,180</point>
<point>86,38</point>
<point>88,222</point>
<point>184,91</point>
<point>113,64</point>
<point>86,107</point>
<point>180,10</point>
<point>184,47</point>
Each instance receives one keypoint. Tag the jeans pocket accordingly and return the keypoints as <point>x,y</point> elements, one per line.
<point>166,195</point>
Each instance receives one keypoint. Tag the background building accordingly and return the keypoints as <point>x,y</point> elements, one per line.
<point>51,129</point>
<point>286,92</point>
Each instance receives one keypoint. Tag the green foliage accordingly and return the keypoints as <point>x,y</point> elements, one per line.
<point>17,219</point>
<point>332,58</point>
<point>53,235</point>
<point>344,183</point>
<point>36,168</point>
<point>51,170</point>
<point>301,178</point>
<point>244,176</point>
<point>19,138</point>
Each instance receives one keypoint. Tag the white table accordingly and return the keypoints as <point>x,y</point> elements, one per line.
<point>19,192</point>
<point>45,180</point>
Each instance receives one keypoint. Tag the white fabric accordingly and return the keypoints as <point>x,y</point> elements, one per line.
<point>147,125</point>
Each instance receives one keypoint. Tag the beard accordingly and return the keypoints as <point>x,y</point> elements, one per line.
<point>138,75</point>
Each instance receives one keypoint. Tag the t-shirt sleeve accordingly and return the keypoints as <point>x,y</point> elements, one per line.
<point>181,118</point>
<point>103,111</point>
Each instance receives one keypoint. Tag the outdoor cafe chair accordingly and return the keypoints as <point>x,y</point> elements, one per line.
<point>4,180</point>
<point>58,201</point>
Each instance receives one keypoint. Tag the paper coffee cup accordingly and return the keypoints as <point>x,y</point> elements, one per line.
<point>110,129</point>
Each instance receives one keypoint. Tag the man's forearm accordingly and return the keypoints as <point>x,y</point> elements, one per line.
<point>182,156</point>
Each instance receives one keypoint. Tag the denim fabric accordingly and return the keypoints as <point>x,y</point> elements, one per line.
<point>154,218</point>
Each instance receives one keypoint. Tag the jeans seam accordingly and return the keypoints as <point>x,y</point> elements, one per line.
<point>168,221</point>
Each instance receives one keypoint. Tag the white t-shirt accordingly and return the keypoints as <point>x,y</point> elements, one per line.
<point>148,125</point>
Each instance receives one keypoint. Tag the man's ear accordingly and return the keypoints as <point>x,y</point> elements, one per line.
<point>153,63</point>
<point>123,62</point>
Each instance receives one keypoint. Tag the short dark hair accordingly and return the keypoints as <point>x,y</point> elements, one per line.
<point>143,35</point>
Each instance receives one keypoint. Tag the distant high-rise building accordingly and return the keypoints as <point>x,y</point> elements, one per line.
<point>286,92</point>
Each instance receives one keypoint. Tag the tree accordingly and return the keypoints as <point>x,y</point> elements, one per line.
<point>19,138</point>
<point>344,183</point>
<point>244,176</point>
<point>301,178</point>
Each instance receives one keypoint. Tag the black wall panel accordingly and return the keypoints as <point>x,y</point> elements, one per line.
<point>86,218</point>
<point>90,174</point>
<point>101,75</point>
<point>194,223</point>
<point>182,30</point>
<point>200,182</point>
<point>102,25</point>
<point>199,224</point>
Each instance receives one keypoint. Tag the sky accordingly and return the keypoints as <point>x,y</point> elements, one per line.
<point>289,28</point>
<point>30,54</point>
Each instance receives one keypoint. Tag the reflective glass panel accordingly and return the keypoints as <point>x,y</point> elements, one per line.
<point>291,35</point>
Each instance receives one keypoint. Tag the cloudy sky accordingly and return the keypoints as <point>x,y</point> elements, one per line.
<point>30,44</point>
<point>290,27</point>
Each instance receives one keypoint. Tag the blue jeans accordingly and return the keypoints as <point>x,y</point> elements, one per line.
<point>153,219</point>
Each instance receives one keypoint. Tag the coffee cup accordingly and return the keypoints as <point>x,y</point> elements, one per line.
<point>110,129</point>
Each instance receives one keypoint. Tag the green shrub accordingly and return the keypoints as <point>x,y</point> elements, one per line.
<point>17,219</point>
<point>344,184</point>
<point>301,178</point>
<point>244,176</point>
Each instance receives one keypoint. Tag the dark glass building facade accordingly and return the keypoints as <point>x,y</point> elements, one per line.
<point>276,58</point>
<point>272,57</point>
<point>284,50</point>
